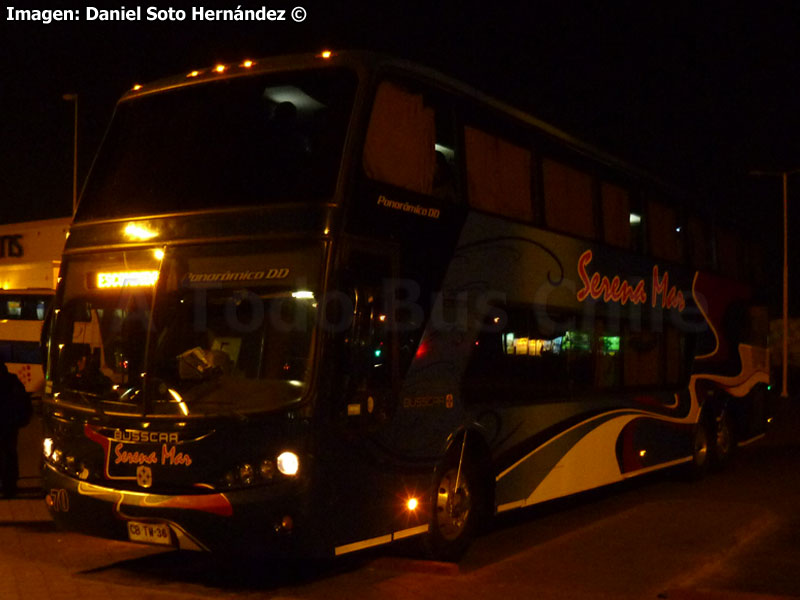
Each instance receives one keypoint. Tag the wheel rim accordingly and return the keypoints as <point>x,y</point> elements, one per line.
<point>453,506</point>
<point>700,446</point>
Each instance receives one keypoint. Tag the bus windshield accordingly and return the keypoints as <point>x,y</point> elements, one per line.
<point>200,331</point>
<point>234,142</point>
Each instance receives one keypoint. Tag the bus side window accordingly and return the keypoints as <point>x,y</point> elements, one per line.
<point>33,308</point>
<point>568,199</point>
<point>616,208</point>
<point>11,307</point>
<point>411,142</point>
<point>535,357</point>
<point>663,231</point>
<point>753,266</point>
<point>400,143</point>
<point>607,357</point>
<point>498,175</point>
<point>729,253</point>
<point>643,359</point>
<point>5,351</point>
<point>700,244</point>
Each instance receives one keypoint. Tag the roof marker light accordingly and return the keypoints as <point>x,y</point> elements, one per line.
<point>193,74</point>
<point>247,64</point>
<point>220,68</point>
<point>326,54</point>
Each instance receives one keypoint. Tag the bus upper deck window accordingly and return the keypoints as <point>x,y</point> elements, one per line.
<point>498,175</point>
<point>400,144</point>
<point>14,308</point>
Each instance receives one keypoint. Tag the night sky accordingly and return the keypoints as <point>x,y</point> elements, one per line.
<point>699,93</point>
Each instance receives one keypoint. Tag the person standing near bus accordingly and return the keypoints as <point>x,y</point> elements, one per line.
<point>14,412</point>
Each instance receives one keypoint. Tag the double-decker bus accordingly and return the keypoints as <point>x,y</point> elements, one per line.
<point>318,304</point>
<point>30,256</point>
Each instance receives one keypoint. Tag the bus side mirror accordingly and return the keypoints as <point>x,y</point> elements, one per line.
<point>44,335</point>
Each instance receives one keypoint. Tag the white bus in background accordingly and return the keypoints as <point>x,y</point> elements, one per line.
<point>30,256</point>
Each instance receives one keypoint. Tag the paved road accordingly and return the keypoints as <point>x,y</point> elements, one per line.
<point>734,535</point>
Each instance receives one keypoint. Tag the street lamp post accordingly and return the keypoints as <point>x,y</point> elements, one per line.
<point>74,98</point>
<point>785,349</point>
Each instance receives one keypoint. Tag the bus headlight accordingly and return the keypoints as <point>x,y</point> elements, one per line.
<point>261,472</point>
<point>47,447</point>
<point>288,463</point>
<point>246,474</point>
<point>266,469</point>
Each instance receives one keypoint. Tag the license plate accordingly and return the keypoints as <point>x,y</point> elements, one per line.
<point>149,533</point>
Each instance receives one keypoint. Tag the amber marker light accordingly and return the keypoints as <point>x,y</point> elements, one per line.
<point>137,87</point>
<point>247,64</point>
<point>412,504</point>
<point>326,54</point>
<point>193,74</point>
<point>220,68</point>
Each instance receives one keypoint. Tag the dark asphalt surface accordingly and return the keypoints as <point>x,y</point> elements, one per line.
<point>734,535</point>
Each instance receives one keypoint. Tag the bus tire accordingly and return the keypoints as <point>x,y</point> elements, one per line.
<point>724,440</point>
<point>455,509</point>
<point>701,453</point>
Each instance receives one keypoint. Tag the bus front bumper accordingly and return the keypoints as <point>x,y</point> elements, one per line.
<point>267,519</point>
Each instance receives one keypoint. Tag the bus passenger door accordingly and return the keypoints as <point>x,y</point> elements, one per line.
<point>371,345</point>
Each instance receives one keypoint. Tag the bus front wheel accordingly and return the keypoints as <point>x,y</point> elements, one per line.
<point>455,509</point>
<point>724,439</point>
<point>698,466</point>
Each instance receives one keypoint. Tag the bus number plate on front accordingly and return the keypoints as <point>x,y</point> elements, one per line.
<point>149,533</point>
